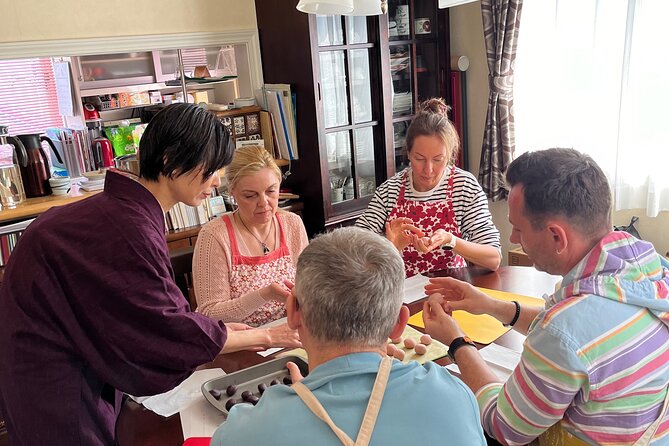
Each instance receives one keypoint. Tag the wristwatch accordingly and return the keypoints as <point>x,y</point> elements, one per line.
<point>449,245</point>
<point>456,344</point>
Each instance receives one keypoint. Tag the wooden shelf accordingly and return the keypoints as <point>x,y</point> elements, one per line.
<point>237,111</point>
<point>101,91</point>
<point>32,207</point>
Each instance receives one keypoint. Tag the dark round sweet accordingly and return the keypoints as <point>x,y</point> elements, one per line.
<point>215,393</point>
<point>231,390</point>
<point>274,382</point>
<point>287,380</point>
<point>229,403</point>
<point>246,395</point>
<point>262,387</point>
<point>253,400</point>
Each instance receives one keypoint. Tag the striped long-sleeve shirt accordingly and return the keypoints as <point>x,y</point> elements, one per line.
<point>597,358</point>
<point>470,206</point>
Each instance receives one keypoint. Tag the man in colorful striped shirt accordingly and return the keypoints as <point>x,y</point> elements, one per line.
<point>596,360</point>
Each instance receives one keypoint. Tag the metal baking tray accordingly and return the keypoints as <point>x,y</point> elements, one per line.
<point>249,379</point>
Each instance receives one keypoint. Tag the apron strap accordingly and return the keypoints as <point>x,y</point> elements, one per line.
<point>372,412</point>
<point>647,436</point>
<point>374,405</point>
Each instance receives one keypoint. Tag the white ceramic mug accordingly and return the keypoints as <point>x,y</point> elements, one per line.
<point>337,194</point>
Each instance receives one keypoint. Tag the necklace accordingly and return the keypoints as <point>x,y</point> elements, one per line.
<point>263,243</point>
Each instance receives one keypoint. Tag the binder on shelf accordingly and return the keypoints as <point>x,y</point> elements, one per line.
<point>279,101</point>
<point>268,134</point>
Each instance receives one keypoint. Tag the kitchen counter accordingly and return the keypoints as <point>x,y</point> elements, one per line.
<point>32,207</point>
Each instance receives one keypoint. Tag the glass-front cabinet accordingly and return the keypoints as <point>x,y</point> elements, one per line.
<point>418,63</point>
<point>357,82</point>
<point>345,54</point>
<point>105,70</point>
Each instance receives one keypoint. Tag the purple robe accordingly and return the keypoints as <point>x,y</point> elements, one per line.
<point>89,309</point>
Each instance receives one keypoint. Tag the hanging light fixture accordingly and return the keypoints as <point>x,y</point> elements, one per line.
<point>343,7</point>
<point>369,7</point>
<point>449,3</point>
<point>325,7</point>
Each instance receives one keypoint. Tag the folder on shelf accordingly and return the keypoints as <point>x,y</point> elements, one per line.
<point>279,102</point>
<point>267,134</point>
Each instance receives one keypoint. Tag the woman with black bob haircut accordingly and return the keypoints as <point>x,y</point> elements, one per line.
<point>99,314</point>
<point>184,137</point>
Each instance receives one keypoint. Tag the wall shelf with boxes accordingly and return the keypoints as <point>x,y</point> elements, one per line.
<point>121,84</point>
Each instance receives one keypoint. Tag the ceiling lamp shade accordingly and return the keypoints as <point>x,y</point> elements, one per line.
<point>368,7</point>
<point>326,7</point>
<point>449,3</point>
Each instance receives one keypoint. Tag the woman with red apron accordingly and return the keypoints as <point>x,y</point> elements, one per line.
<point>434,213</point>
<point>428,216</point>
<point>250,273</point>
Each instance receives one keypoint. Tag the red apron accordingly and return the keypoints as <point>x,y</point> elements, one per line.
<point>428,216</point>
<point>248,274</point>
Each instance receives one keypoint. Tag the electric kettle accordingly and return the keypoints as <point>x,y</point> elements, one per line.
<point>35,170</point>
<point>103,153</point>
<point>11,186</point>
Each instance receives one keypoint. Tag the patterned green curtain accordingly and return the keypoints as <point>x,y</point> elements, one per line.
<point>501,20</point>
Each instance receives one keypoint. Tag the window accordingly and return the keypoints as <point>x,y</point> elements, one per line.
<point>592,75</point>
<point>28,102</point>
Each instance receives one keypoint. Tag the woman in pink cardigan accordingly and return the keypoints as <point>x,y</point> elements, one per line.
<point>243,258</point>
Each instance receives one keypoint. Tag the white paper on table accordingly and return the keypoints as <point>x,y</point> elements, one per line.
<point>414,288</point>
<point>501,360</point>
<point>269,351</point>
<point>200,419</point>
<point>169,403</point>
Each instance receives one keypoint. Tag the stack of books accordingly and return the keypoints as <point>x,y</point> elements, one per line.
<point>182,216</point>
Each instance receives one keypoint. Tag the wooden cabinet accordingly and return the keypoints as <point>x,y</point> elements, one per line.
<point>344,78</point>
<point>418,34</point>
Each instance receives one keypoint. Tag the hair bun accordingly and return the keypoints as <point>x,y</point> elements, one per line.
<point>434,105</point>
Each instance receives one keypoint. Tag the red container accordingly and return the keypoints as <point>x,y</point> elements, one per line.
<point>103,152</point>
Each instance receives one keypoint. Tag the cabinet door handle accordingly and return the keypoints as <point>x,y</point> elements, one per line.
<point>319,91</point>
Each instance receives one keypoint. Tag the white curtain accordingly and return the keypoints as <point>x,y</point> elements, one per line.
<point>593,75</point>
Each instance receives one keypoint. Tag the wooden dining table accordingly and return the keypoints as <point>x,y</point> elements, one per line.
<point>138,426</point>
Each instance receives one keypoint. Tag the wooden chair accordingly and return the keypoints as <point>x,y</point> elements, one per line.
<point>4,441</point>
<point>182,263</point>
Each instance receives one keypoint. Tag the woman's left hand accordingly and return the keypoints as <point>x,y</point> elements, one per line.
<point>276,291</point>
<point>427,244</point>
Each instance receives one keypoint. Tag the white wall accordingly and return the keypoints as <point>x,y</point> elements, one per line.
<point>467,40</point>
<point>29,20</point>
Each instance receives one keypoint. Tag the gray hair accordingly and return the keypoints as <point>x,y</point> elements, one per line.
<point>349,285</point>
